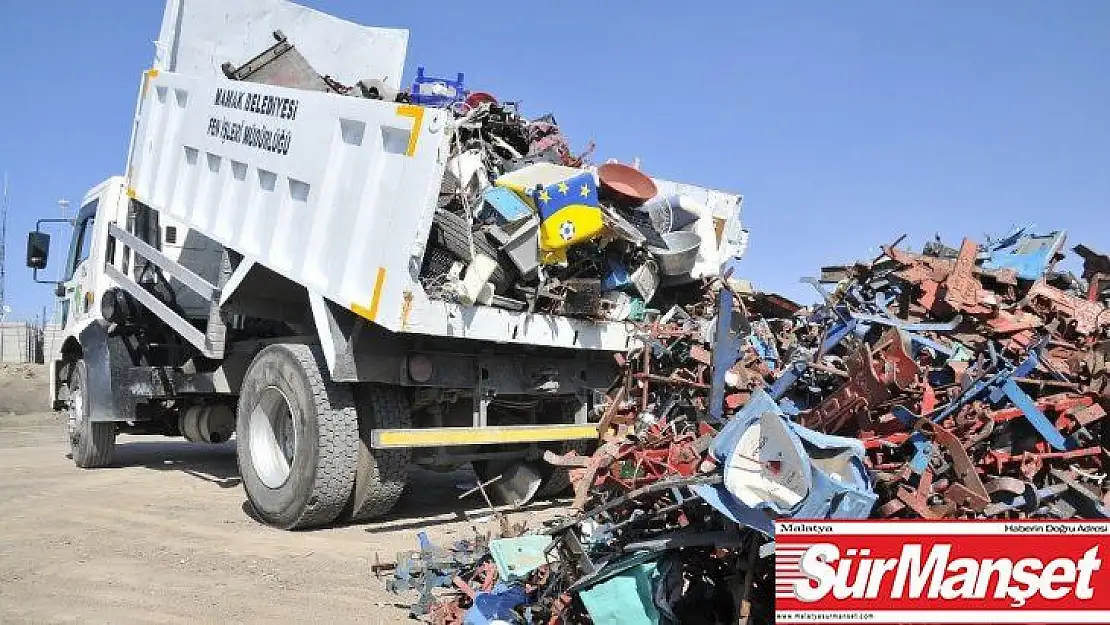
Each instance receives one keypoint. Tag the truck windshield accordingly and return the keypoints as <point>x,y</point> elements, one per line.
<point>81,244</point>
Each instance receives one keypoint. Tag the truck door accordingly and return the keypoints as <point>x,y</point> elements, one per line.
<point>79,288</point>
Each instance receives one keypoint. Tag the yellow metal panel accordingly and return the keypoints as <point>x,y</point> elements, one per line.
<point>417,115</point>
<point>371,312</point>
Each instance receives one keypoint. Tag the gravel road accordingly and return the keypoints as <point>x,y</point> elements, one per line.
<point>165,536</point>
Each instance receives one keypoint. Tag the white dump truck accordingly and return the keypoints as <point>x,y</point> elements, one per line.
<point>256,272</point>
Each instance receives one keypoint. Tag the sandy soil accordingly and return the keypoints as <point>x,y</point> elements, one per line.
<point>23,388</point>
<point>165,536</point>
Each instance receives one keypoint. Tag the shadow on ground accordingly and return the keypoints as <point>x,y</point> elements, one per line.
<point>430,498</point>
<point>210,463</point>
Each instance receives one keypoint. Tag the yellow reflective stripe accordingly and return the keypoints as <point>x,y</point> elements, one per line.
<point>417,115</point>
<point>371,312</point>
<point>436,437</point>
<point>361,311</point>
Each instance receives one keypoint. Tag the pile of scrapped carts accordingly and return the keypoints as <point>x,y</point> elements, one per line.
<point>965,382</point>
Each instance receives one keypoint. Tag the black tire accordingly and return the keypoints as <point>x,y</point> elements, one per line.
<point>286,390</point>
<point>90,444</point>
<point>382,473</point>
<point>450,231</point>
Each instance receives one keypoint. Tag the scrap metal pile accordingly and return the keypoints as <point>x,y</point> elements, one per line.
<point>524,224</point>
<point>975,377</point>
<point>966,382</point>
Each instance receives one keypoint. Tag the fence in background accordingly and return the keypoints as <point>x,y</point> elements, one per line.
<point>21,341</point>
<point>51,341</point>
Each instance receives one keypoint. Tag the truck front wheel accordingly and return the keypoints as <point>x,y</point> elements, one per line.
<point>297,434</point>
<point>91,444</point>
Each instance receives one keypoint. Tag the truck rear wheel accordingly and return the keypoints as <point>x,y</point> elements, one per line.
<point>297,438</point>
<point>91,444</point>
<point>381,472</point>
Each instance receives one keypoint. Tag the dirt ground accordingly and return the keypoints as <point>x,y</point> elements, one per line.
<point>22,388</point>
<point>165,536</point>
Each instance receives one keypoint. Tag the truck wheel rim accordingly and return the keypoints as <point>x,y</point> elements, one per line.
<point>273,437</point>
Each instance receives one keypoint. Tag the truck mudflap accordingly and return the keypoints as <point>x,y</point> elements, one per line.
<point>489,435</point>
<point>98,370</point>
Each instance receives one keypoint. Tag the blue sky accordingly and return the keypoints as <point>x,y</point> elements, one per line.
<point>843,124</point>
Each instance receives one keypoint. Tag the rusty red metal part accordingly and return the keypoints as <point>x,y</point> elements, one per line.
<point>962,289</point>
<point>872,380</point>
<point>1086,316</point>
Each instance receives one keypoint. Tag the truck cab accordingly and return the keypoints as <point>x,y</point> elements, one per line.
<point>79,284</point>
<point>83,281</point>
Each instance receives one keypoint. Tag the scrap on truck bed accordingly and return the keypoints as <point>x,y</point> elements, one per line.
<point>351,277</point>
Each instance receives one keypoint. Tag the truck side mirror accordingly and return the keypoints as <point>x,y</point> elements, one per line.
<point>38,249</point>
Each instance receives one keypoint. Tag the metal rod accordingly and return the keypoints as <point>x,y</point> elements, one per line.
<point>830,370</point>
<point>647,371</point>
<point>1042,383</point>
<point>481,488</point>
<point>647,377</point>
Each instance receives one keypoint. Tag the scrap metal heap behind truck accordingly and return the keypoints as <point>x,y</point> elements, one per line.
<point>258,272</point>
